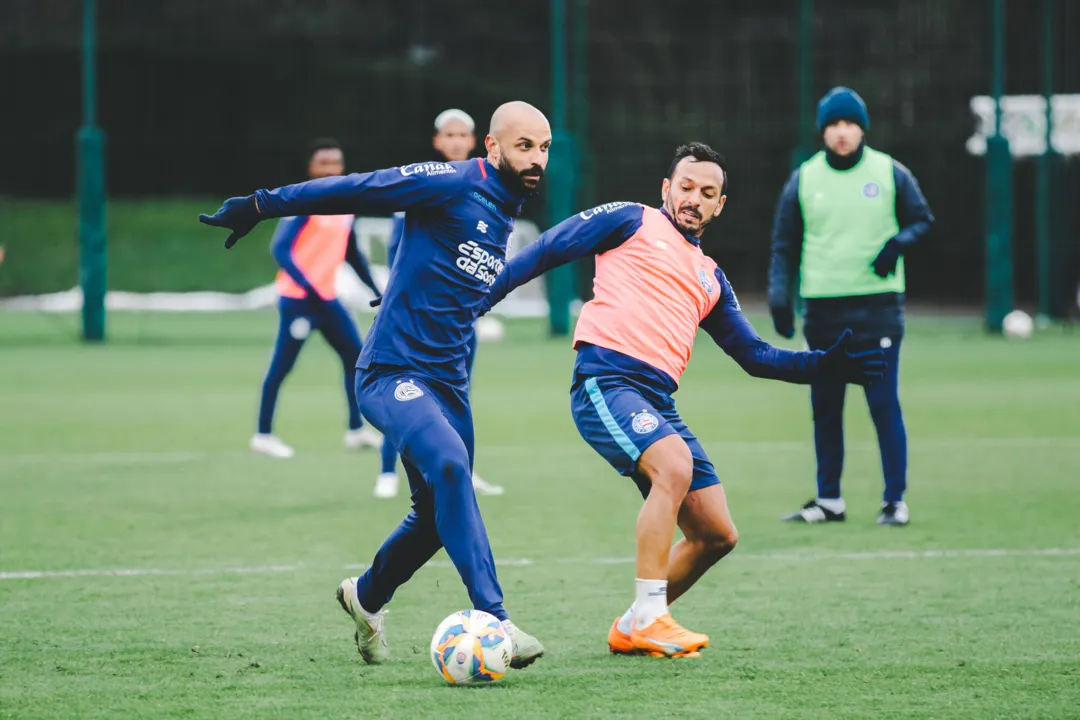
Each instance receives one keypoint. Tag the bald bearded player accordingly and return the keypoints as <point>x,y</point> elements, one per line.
<point>411,379</point>
<point>653,289</point>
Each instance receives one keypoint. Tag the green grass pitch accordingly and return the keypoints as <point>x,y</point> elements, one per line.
<point>150,566</point>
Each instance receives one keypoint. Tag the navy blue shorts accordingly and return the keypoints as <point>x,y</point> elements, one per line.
<point>620,421</point>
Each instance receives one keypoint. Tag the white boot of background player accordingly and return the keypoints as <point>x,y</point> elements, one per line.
<point>386,486</point>
<point>271,445</point>
<point>363,437</point>
<point>481,487</point>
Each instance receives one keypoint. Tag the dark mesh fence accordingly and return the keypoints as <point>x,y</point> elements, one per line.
<point>202,97</point>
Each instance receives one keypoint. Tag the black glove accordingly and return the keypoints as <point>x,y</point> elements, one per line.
<point>239,214</point>
<point>783,320</point>
<point>885,263</point>
<point>860,368</point>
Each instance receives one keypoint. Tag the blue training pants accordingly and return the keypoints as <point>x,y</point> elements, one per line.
<point>429,422</point>
<point>389,452</point>
<point>298,318</point>
<point>883,397</point>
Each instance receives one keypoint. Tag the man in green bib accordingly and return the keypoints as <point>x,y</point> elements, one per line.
<point>843,223</point>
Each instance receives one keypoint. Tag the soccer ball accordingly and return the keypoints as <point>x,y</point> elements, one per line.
<point>1017,324</point>
<point>471,647</point>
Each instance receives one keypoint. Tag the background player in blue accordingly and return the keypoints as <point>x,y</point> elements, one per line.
<point>412,382</point>
<point>653,289</point>
<point>454,140</point>
<point>309,250</point>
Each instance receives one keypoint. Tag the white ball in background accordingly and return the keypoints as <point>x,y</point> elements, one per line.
<point>1018,324</point>
<point>489,329</point>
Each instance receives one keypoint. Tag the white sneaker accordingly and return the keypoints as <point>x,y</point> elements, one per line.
<point>483,488</point>
<point>527,649</point>
<point>386,485</point>
<point>816,512</point>
<point>270,445</point>
<point>362,438</point>
<point>894,514</point>
<point>370,633</point>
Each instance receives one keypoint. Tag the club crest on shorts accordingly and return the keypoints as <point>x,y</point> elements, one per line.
<point>707,283</point>
<point>871,190</point>
<point>406,391</point>
<point>644,422</point>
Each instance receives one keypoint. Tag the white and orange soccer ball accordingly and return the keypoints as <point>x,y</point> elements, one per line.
<point>471,647</point>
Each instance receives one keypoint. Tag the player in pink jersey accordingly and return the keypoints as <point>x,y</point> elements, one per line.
<point>309,249</point>
<point>653,289</point>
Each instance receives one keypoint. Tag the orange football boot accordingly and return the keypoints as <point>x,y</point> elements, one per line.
<point>618,642</point>
<point>666,638</point>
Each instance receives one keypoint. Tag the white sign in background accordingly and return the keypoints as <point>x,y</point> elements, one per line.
<point>1023,122</point>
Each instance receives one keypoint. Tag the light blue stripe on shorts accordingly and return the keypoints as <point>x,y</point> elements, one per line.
<point>597,398</point>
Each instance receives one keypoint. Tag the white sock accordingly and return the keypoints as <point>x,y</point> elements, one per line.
<point>626,622</point>
<point>651,601</point>
<point>834,505</point>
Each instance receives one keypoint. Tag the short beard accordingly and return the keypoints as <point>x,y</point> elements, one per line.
<point>682,228</point>
<point>514,178</point>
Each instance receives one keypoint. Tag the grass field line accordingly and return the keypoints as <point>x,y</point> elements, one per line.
<point>179,456</point>
<point>783,555</point>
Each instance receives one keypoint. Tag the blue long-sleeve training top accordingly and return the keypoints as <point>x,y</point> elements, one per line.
<point>453,246</point>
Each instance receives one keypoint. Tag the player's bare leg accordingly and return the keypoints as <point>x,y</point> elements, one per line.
<point>709,534</point>
<point>669,466</point>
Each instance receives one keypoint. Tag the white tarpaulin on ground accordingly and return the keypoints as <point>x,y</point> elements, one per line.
<point>527,301</point>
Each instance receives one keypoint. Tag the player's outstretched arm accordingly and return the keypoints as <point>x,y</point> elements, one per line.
<point>593,231</point>
<point>380,192</point>
<point>736,336</point>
